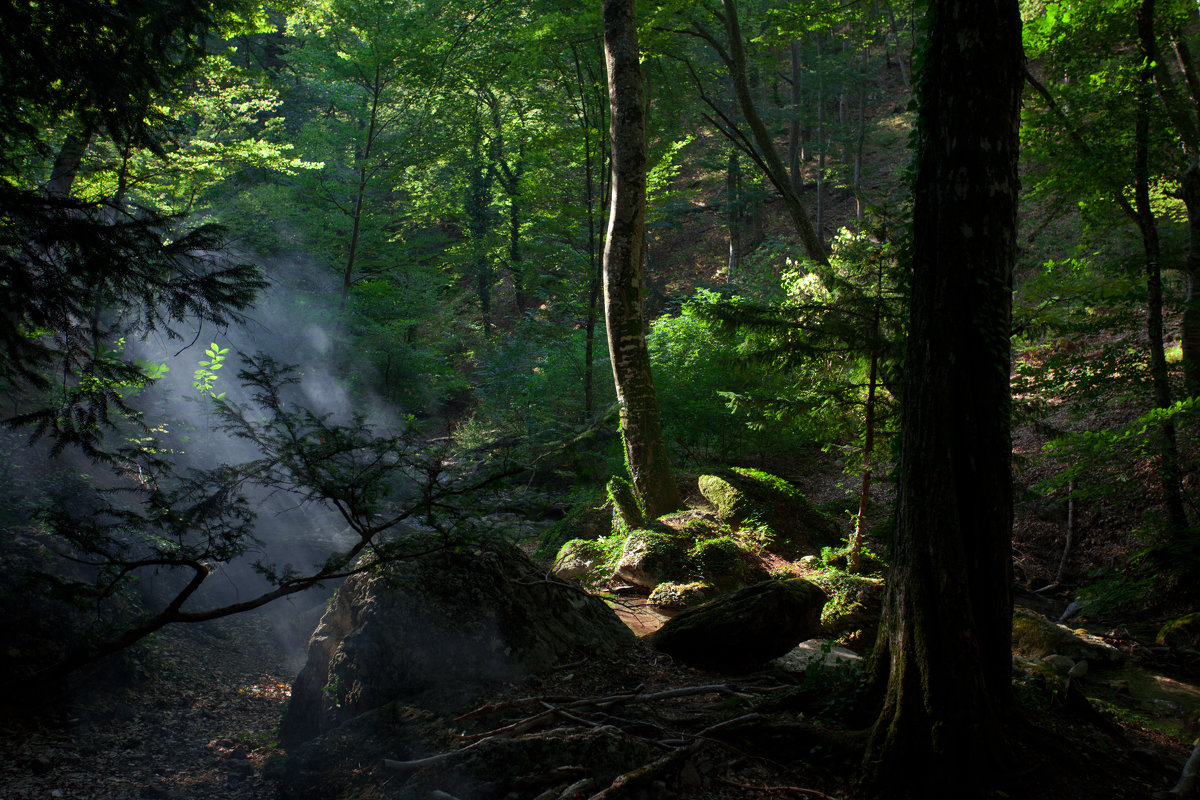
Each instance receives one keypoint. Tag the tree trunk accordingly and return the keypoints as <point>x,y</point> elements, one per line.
<point>645,452</point>
<point>1169,472</point>
<point>901,59</point>
<point>66,163</point>
<point>361,192</point>
<point>861,526</point>
<point>943,657</point>
<point>821,138</point>
<point>795,122</point>
<point>777,173</point>
<point>733,211</point>
<point>860,140</point>
<point>1191,308</point>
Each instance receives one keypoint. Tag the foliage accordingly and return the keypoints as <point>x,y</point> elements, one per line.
<point>190,525</point>
<point>696,369</point>
<point>204,379</point>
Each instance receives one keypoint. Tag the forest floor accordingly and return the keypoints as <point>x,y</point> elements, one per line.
<point>200,724</point>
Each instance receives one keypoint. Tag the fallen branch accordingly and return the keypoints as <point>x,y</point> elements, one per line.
<point>627,782</point>
<point>791,789</point>
<point>727,724</point>
<point>401,766</point>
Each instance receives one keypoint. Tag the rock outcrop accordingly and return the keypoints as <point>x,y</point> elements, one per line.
<point>746,628</point>
<point>429,630</point>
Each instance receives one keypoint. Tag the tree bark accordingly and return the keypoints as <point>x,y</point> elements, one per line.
<point>943,656</point>
<point>364,176</point>
<point>645,452</point>
<point>67,162</point>
<point>795,121</point>
<point>821,137</point>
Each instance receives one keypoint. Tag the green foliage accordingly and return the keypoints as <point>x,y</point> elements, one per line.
<point>871,563</point>
<point>696,370</point>
<point>529,385</point>
<point>205,376</point>
<point>847,593</point>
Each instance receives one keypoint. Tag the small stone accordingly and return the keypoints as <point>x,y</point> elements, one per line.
<point>1060,662</point>
<point>1078,671</point>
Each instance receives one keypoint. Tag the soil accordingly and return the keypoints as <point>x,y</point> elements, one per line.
<point>201,724</point>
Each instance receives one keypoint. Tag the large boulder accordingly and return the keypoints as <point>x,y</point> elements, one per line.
<point>428,630</point>
<point>788,522</point>
<point>650,557</point>
<point>1034,636</point>
<point>1181,632</point>
<point>746,628</point>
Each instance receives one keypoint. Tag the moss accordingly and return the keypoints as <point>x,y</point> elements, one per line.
<point>778,515</point>
<point>718,555</point>
<point>679,595</point>
<point>1181,632</point>
<point>626,510</point>
<point>851,615</point>
<point>839,558</point>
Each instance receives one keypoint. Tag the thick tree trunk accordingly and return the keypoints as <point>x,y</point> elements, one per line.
<point>944,647</point>
<point>645,453</point>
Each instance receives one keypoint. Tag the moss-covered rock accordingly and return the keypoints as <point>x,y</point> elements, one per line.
<point>651,557</point>
<point>726,563</point>
<point>678,596</point>
<point>746,628</point>
<point>1037,637</point>
<point>787,522</point>
<point>579,560</point>
<point>851,617</point>
<point>1181,632</point>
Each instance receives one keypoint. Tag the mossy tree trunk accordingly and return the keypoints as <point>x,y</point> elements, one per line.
<point>943,659</point>
<point>645,452</point>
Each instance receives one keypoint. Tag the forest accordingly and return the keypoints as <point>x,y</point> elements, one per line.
<point>532,399</point>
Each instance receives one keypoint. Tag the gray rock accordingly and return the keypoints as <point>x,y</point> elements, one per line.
<point>1037,637</point>
<point>746,628</point>
<point>821,651</point>
<point>429,630</point>
<point>1060,662</point>
<point>650,558</point>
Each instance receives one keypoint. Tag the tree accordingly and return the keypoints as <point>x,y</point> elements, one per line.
<point>759,146</point>
<point>943,656</point>
<point>78,273</point>
<point>646,455</point>
<point>1109,57</point>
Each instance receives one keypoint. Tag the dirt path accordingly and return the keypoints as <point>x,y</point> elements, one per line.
<point>202,726</point>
